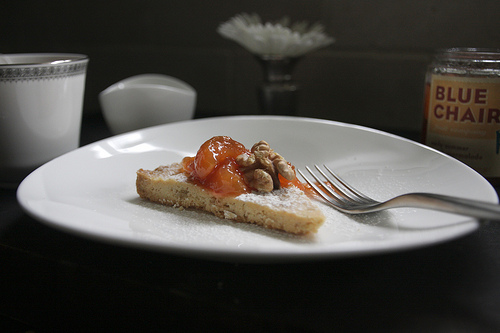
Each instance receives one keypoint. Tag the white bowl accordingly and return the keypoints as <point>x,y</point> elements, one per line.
<point>146,100</point>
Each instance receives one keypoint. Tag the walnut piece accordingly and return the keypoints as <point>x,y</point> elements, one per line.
<point>262,166</point>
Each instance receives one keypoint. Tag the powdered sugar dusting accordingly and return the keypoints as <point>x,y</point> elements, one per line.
<point>284,198</point>
<point>179,177</point>
<point>172,171</point>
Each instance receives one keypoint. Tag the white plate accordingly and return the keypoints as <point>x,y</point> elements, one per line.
<point>91,191</point>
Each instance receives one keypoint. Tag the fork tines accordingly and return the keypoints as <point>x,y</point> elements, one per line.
<point>332,188</point>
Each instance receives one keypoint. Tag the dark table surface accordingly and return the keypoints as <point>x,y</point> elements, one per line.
<point>51,281</point>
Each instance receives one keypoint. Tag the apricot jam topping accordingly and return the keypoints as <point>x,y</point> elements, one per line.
<point>215,167</point>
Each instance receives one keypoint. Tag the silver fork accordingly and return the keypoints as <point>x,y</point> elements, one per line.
<point>346,199</point>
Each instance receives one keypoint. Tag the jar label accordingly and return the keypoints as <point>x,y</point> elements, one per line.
<point>463,120</point>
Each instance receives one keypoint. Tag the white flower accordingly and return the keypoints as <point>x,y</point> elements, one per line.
<point>274,39</point>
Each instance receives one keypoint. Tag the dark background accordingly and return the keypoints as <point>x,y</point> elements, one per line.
<point>373,75</point>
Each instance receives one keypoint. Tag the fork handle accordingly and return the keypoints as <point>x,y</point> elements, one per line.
<point>446,203</point>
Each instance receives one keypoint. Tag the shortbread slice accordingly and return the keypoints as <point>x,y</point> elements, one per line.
<point>287,209</point>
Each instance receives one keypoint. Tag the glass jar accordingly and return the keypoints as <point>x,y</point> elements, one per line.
<point>462,108</point>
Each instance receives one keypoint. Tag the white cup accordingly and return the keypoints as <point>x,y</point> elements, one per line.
<point>146,100</point>
<point>41,101</point>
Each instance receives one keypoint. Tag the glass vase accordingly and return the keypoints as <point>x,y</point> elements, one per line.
<point>278,93</point>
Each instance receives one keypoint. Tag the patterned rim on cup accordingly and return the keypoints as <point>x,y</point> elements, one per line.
<point>38,72</point>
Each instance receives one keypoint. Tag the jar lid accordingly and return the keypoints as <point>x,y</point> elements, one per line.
<point>469,54</point>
